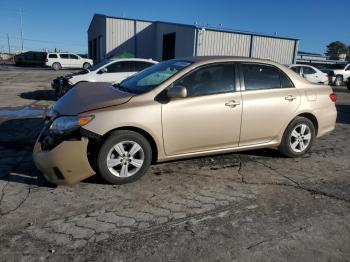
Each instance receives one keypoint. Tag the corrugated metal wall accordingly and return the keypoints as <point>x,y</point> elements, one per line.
<point>97,31</point>
<point>120,34</point>
<point>184,42</point>
<point>212,42</point>
<point>276,49</point>
<point>222,43</point>
<point>145,37</point>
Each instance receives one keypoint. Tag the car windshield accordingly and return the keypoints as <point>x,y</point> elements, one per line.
<point>99,65</point>
<point>152,77</point>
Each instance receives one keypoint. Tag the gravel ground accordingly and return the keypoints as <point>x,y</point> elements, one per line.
<point>252,206</point>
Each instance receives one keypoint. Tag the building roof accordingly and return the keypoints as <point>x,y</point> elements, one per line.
<point>207,27</point>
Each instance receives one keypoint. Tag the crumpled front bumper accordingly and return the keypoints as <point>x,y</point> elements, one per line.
<point>67,163</point>
<point>61,85</point>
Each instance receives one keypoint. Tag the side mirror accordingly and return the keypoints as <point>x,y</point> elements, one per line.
<point>103,70</point>
<point>177,92</point>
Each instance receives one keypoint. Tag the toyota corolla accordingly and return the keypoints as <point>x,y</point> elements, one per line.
<point>178,109</point>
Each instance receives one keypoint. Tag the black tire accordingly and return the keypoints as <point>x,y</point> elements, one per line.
<point>113,139</point>
<point>338,81</point>
<point>86,65</point>
<point>56,66</point>
<point>285,146</point>
<point>348,84</point>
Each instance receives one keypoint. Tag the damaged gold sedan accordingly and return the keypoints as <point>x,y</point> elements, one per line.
<point>179,109</point>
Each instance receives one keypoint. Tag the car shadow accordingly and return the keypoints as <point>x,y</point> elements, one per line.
<point>343,114</point>
<point>48,95</point>
<point>17,138</point>
<point>340,89</point>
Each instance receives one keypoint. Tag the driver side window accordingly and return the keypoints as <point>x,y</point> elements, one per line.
<point>208,80</point>
<point>308,70</point>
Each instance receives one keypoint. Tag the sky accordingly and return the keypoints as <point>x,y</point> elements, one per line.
<point>49,24</point>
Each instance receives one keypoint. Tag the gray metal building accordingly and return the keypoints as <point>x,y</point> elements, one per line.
<point>111,36</point>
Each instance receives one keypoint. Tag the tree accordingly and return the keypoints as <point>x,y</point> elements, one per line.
<point>336,48</point>
<point>348,56</point>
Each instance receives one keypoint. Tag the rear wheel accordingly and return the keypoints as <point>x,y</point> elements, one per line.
<point>124,157</point>
<point>338,81</point>
<point>86,65</point>
<point>56,66</point>
<point>298,137</point>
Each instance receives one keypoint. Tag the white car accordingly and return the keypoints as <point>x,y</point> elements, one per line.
<point>66,60</point>
<point>310,73</point>
<point>112,71</point>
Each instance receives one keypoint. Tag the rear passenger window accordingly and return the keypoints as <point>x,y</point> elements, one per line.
<point>139,66</point>
<point>119,67</point>
<point>64,56</point>
<point>257,77</point>
<point>296,69</point>
<point>52,55</point>
<point>308,70</point>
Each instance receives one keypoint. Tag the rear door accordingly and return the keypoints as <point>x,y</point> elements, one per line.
<point>269,101</point>
<point>65,60</point>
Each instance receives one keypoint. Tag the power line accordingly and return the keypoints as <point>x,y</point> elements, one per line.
<point>46,41</point>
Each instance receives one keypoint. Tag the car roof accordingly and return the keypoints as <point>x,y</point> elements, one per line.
<point>133,59</point>
<point>196,59</point>
<point>302,65</point>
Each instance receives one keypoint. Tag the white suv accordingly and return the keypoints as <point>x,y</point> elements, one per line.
<point>66,60</point>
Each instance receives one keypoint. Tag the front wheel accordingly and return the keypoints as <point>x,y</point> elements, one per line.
<point>298,137</point>
<point>124,157</point>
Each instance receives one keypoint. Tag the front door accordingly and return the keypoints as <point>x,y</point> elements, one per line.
<point>209,117</point>
<point>116,72</point>
<point>269,101</point>
<point>311,75</point>
<point>75,61</point>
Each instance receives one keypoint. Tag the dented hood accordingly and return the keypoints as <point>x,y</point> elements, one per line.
<point>89,96</point>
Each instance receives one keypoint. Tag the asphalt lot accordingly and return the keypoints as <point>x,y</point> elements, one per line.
<point>252,206</point>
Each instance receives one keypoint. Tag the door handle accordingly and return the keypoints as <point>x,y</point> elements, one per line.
<point>290,98</point>
<point>232,103</point>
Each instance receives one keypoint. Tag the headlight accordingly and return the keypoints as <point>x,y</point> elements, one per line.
<point>67,124</point>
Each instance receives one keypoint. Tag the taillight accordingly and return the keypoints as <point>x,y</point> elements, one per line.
<point>333,97</point>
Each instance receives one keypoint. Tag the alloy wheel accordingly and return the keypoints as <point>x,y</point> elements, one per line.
<point>125,159</point>
<point>300,138</point>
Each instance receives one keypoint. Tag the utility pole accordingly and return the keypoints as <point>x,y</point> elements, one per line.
<point>20,15</point>
<point>8,43</point>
